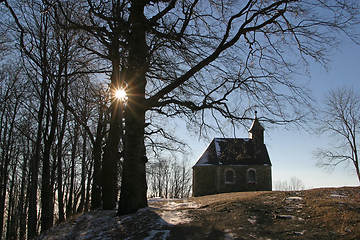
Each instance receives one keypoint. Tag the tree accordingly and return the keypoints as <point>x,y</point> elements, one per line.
<point>168,177</point>
<point>199,59</point>
<point>39,56</point>
<point>294,184</point>
<point>341,119</point>
<point>10,98</point>
<point>52,62</point>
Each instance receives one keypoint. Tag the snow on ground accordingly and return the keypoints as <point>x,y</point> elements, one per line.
<point>173,212</point>
<point>153,222</point>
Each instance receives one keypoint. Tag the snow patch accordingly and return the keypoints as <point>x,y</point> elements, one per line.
<point>175,212</point>
<point>300,232</point>
<point>337,196</point>
<point>293,199</point>
<point>204,159</point>
<point>217,147</point>
<point>228,235</point>
<point>173,205</point>
<point>155,199</point>
<point>174,217</point>
<point>155,233</point>
<point>252,219</point>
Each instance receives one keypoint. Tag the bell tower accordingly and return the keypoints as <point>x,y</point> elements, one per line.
<point>256,131</point>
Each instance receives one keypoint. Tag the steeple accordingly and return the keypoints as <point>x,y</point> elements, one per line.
<point>256,131</point>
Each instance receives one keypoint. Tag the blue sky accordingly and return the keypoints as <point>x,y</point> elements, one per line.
<point>290,150</point>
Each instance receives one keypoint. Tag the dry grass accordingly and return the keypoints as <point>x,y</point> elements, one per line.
<point>332,213</point>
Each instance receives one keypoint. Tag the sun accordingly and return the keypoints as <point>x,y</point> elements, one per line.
<point>120,94</point>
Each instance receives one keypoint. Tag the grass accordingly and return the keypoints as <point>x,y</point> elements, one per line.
<point>332,213</point>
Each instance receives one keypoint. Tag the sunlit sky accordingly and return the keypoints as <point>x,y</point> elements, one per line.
<point>291,150</point>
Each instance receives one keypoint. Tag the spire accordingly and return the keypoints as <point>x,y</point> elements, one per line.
<point>256,131</point>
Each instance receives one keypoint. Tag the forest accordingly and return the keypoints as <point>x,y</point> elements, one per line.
<point>54,104</point>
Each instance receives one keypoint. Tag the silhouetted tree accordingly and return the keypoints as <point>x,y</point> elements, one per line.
<point>53,63</point>
<point>341,119</point>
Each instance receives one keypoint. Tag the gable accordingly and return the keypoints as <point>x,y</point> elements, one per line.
<point>234,151</point>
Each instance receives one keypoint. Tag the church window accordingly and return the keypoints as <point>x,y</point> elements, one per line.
<point>229,176</point>
<point>251,176</point>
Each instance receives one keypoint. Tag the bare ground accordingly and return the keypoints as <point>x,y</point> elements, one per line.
<point>329,213</point>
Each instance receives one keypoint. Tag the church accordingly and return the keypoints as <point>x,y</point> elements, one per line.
<point>234,165</point>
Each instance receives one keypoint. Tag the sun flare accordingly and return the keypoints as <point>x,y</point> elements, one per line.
<point>120,94</point>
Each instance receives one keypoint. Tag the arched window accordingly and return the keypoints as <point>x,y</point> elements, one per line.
<point>229,176</point>
<point>251,176</point>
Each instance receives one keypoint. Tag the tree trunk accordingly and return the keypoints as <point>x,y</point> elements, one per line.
<point>22,199</point>
<point>83,175</point>
<point>11,232</point>
<point>46,190</point>
<point>3,176</point>
<point>88,184</point>
<point>133,185</point>
<point>96,186</point>
<point>111,153</point>
<point>60,146</point>
<point>110,159</point>
<point>76,200</point>
<point>4,167</point>
<point>69,205</point>
<point>32,222</point>
<point>59,168</point>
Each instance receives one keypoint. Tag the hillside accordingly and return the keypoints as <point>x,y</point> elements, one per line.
<point>329,213</point>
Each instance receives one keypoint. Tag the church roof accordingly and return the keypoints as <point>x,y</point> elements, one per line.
<point>234,151</point>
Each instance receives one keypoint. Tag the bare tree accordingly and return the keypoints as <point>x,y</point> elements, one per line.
<point>11,96</point>
<point>281,185</point>
<point>341,119</point>
<point>180,179</point>
<point>294,184</point>
<point>51,63</point>
<point>168,177</point>
<point>158,173</point>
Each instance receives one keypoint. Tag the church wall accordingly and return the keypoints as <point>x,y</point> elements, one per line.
<point>262,174</point>
<point>204,180</point>
<point>211,179</point>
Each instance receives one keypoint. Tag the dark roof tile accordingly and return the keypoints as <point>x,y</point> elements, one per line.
<point>234,151</point>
